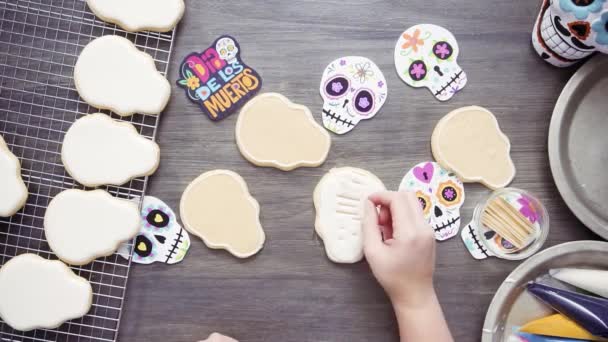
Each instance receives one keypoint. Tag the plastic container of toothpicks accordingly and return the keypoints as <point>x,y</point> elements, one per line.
<point>527,207</point>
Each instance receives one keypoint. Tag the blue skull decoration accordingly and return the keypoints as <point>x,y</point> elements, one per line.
<point>567,31</point>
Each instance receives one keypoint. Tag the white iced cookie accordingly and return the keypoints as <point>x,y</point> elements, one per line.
<point>111,73</point>
<point>81,226</point>
<point>98,150</point>
<point>338,200</point>
<point>38,293</point>
<point>140,15</point>
<point>13,192</point>
<point>218,208</point>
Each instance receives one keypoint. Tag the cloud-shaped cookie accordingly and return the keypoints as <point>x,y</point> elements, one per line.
<point>14,191</point>
<point>469,142</point>
<point>218,208</point>
<point>140,15</point>
<point>98,150</point>
<point>81,226</point>
<point>273,131</point>
<point>338,200</point>
<point>38,293</point>
<point>111,73</point>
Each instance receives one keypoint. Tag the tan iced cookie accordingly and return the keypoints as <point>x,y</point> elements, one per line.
<point>218,208</point>
<point>273,131</point>
<point>469,142</point>
<point>13,192</point>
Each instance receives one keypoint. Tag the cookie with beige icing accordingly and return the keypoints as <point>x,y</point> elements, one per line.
<point>38,293</point>
<point>218,208</point>
<point>469,142</point>
<point>111,73</point>
<point>14,192</point>
<point>273,131</point>
<point>140,15</point>
<point>338,200</point>
<point>98,150</point>
<point>81,226</point>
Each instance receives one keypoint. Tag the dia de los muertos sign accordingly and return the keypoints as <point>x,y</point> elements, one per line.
<point>218,80</point>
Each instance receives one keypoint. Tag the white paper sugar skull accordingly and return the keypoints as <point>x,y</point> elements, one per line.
<point>425,56</point>
<point>567,31</point>
<point>160,238</point>
<point>441,195</point>
<point>353,89</point>
<point>227,49</point>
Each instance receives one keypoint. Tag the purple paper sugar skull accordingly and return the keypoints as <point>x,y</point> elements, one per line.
<point>440,193</point>
<point>353,89</point>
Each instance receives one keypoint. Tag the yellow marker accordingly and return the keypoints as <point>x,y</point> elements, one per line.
<point>158,218</point>
<point>558,326</point>
<point>142,247</point>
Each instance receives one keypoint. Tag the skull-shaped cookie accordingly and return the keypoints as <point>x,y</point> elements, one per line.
<point>441,195</point>
<point>160,238</point>
<point>353,89</point>
<point>425,56</point>
<point>567,31</point>
<point>227,49</point>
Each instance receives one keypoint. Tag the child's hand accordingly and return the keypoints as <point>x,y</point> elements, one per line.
<point>400,247</point>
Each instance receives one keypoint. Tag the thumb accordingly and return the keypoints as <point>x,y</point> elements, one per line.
<point>371,232</point>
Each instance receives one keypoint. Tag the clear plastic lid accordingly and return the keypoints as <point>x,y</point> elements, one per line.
<point>529,207</point>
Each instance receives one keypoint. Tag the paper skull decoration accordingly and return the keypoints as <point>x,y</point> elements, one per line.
<point>161,238</point>
<point>227,49</point>
<point>353,89</point>
<point>567,31</point>
<point>425,56</point>
<point>440,193</point>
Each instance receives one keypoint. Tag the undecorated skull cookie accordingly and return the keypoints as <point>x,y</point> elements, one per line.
<point>111,73</point>
<point>441,195</point>
<point>99,150</point>
<point>39,293</point>
<point>567,31</point>
<point>338,200</point>
<point>469,142</point>
<point>161,238</point>
<point>273,131</point>
<point>218,208</point>
<point>425,56</point>
<point>14,192</point>
<point>81,226</point>
<point>353,89</point>
<point>140,15</point>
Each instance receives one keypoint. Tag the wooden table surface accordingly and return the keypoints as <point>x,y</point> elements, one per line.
<point>290,291</point>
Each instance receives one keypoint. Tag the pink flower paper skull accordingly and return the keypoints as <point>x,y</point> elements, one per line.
<point>567,31</point>
<point>425,56</point>
<point>440,193</point>
<point>353,89</point>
